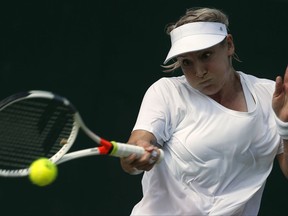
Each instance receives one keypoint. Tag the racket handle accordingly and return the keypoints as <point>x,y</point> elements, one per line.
<point>124,150</point>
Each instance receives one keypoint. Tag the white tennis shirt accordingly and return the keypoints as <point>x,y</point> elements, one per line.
<point>216,160</point>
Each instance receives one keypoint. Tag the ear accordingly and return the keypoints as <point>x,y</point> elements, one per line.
<point>230,43</point>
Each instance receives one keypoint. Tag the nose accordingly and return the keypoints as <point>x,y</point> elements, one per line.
<point>201,72</point>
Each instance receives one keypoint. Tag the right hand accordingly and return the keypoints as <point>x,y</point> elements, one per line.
<point>146,162</point>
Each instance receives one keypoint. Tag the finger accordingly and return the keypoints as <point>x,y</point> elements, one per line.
<point>145,168</point>
<point>278,86</point>
<point>130,159</point>
<point>286,75</point>
<point>153,156</point>
<point>144,162</point>
<point>149,148</point>
<point>148,162</point>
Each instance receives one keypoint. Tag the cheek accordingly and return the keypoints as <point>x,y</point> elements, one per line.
<point>187,74</point>
<point>191,79</point>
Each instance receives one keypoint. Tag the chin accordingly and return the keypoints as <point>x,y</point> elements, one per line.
<point>209,91</point>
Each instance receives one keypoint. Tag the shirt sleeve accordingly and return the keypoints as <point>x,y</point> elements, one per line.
<point>154,115</point>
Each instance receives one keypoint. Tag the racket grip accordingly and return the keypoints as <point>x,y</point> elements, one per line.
<point>124,150</point>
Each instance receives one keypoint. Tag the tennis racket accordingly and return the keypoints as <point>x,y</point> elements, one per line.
<point>39,124</point>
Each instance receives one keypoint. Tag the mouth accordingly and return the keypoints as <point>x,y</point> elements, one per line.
<point>205,82</point>
<point>205,85</point>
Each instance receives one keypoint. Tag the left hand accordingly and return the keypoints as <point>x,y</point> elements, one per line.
<point>280,97</point>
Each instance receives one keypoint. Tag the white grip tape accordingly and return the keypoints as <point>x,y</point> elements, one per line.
<point>124,150</point>
<point>282,128</point>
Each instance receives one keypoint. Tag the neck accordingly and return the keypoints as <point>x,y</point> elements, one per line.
<point>231,95</point>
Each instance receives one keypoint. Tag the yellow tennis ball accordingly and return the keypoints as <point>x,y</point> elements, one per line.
<point>42,172</point>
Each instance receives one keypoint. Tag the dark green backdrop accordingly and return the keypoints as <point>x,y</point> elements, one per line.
<point>102,55</point>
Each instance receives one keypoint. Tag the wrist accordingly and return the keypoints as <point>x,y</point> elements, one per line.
<point>282,128</point>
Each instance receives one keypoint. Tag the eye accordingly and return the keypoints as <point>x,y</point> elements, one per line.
<point>185,62</point>
<point>206,55</point>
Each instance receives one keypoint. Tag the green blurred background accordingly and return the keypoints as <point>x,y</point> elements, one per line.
<point>103,55</point>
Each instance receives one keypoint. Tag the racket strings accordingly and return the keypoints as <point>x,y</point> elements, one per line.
<point>30,129</point>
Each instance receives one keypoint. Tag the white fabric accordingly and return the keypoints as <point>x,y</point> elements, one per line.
<point>282,128</point>
<point>248,96</point>
<point>216,159</point>
<point>195,36</point>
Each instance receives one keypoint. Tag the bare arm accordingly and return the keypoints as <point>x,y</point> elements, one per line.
<point>146,140</point>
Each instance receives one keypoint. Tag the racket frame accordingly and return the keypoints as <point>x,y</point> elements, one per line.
<point>105,147</point>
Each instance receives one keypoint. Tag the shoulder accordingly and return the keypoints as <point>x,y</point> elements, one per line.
<point>258,83</point>
<point>256,80</point>
<point>171,81</point>
<point>171,85</point>
<point>173,93</point>
<point>166,90</point>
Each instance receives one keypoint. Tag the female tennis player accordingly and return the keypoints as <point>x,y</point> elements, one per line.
<point>220,128</point>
